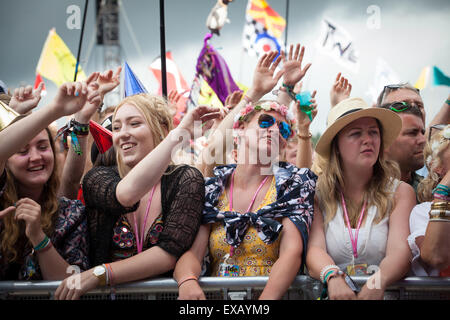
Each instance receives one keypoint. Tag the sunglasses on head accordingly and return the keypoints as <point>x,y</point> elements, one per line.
<point>391,87</point>
<point>437,127</point>
<point>266,121</point>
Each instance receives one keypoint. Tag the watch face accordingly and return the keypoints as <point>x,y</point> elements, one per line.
<point>98,271</point>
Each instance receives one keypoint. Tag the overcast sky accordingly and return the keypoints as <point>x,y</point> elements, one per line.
<point>412,34</point>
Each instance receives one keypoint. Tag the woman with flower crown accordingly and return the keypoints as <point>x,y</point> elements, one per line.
<point>257,212</point>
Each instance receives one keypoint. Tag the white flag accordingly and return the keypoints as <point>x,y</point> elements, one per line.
<point>383,76</point>
<point>337,43</point>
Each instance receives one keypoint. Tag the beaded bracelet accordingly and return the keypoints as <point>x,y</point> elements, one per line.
<point>43,246</point>
<point>327,268</point>
<point>447,102</point>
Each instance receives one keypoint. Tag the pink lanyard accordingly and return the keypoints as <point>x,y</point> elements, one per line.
<point>251,202</point>
<point>354,241</point>
<point>140,238</point>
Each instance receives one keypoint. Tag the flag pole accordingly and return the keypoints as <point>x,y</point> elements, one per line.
<point>163,48</point>
<point>81,40</point>
<point>286,29</point>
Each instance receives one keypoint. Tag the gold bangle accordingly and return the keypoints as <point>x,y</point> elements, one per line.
<point>304,137</point>
<point>439,214</point>
<point>441,205</point>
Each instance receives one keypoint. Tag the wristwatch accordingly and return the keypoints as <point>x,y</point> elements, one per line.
<point>100,273</point>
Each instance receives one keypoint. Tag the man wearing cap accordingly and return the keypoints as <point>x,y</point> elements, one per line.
<point>407,149</point>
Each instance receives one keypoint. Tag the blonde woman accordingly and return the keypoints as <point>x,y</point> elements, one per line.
<point>430,230</point>
<point>257,213</point>
<point>144,213</point>
<point>362,224</point>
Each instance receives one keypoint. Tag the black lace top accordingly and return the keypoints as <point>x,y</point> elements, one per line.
<point>182,201</point>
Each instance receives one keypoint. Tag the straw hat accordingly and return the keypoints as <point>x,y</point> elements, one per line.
<point>7,115</point>
<point>350,110</point>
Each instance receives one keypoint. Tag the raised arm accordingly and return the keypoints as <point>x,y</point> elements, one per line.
<point>69,99</point>
<point>264,80</point>
<point>293,74</point>
<point>75,162</point>
<point>150,169</point>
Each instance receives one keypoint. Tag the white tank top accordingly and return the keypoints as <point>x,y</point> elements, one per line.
<point>372,239</point>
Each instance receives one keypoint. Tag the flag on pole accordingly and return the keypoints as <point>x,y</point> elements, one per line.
<point>57,62</point>
<point>336,42</point>
<point>175,80</point>
<point>214,69</point>
<point>37,82</point>
<point>263,28</point>
<point>260,11</point>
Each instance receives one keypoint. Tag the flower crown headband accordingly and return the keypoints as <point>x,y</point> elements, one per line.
<point>266,106</point>
<point>435,145</point>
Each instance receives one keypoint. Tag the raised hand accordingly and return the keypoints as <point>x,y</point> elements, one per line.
<point>173,98</point>
<point>292,66</point>
<point>233,99</point>
<point>94,99</point>
<point>340,90</point>
<point>25,99</point>
<point>200,114</point>
<point>108,81</point>
<point>303,120</point>
<point>71,97</point>
<point>264,77</point>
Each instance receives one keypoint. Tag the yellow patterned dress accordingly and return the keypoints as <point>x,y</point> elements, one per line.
<point>253,256</point>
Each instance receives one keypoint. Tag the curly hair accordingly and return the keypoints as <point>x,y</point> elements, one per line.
<point>14,231</point>
<point>432,153</point>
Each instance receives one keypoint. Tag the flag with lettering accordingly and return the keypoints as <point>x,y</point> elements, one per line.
<point>336,42</point>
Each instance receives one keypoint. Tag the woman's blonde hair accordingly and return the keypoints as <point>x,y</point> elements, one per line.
<point>156,114</point>
<point>432,153</point>
<point>13,235</point>
<point>378,193</point>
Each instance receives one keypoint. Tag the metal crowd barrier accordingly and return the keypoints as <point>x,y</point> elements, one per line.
<point>221,288</point>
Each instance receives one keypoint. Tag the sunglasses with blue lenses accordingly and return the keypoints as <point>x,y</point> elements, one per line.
<point>266,121</point>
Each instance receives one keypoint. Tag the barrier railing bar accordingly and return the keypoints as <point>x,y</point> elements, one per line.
<point>217,283</point>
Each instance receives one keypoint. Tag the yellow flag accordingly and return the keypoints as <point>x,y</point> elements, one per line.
<point>208,96</point>
<point>423,78</point>
<point>57,63</point>
<point>260,11</point>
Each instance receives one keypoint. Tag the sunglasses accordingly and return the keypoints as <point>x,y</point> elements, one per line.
<point>397,106</point>
<point>266,121</point>
<point>437,127</point>
<point>392,87</point>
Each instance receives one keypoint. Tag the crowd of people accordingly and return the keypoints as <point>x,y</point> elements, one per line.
<point>254,198</point>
